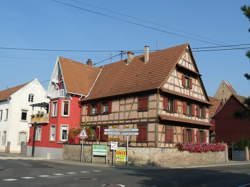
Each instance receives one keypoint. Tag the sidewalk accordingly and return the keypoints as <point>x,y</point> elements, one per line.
<point>13,156</point>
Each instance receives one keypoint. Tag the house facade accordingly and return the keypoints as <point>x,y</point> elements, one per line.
<point>160,93</point>
<point>15,112</point>
<point>64,92</point>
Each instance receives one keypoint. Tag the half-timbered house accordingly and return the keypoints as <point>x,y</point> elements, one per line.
<point>160,93</point>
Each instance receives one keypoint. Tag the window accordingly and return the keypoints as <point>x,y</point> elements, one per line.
<point>143,103</point>
<point>187,136</point>
<point>142,136</point>
<point>105,108</point>
<point>189,109</point>
<point>24,115</point>
<point>6,114</point>
<point>31,98</point>
<point>169,134</point>
<point>52,136</point>
<point>203,113</point>
<point>170,107</point>
<point>22,137</point>
<point>186,82</point>
<point>180,107</point>
<point>38,133</point>
<point>202,137</point>
<point>4,137</point>
<point>54,109</point>
<point>93,109</point>
<point>64,132</point>
<point>65,108</point>
<point>1,115</point>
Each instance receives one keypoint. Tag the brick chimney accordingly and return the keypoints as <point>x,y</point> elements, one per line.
<point>89,62</point>
<point>130,57</point>
<point>146,54</point>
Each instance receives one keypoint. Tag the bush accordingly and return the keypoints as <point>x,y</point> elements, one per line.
<point>199,148</point>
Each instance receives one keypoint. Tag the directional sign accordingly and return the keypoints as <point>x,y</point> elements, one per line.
<point>127,131</point>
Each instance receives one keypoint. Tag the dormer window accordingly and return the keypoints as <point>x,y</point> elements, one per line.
<point>186,82</point>
<point>31,98</point>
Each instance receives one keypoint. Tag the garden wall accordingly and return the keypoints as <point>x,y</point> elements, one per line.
<point>160,157</point>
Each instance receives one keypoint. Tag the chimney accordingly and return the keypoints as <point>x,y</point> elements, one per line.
<point>130,57</point>
<point>146,54</point>
<point>89,62</point>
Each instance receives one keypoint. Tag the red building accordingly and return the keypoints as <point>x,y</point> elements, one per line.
<point>227,127</point>
<point>69,82</point>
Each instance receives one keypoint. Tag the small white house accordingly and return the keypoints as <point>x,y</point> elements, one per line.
<point>15,114</point>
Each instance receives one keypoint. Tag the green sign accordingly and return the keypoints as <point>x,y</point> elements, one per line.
<point>99,150</point>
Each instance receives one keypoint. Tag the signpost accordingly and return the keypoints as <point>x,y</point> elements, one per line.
<point>82,136</point>
<point>125,132</point>
<point>113,147</point>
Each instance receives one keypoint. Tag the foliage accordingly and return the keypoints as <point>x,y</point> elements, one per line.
<point>199,148</point>
<point>240,145</point>
<point>73,135</point>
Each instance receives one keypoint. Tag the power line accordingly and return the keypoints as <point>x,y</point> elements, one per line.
<point>131,22</point>
<point>225,49</point>
<point>147,21</point>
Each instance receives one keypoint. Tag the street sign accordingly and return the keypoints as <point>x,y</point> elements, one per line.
<point>99,150</point>
<point>126,131</point>
<point>114,145</point>
<point>121,154</point>
<point>83,134</point>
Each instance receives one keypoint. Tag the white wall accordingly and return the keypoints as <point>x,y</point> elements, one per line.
<point>18,102</point>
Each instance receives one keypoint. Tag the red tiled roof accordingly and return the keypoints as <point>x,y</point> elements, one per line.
<point>5,94</point>
<point>169,118</point>
<point>216,104</point>
<point>78,77</point>
<point>119,78</point>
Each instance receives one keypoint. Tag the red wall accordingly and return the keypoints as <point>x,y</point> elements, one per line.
<point>73,121</point>
<point>227,127</point>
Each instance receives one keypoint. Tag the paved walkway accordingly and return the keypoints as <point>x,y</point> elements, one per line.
<point>13,156</point>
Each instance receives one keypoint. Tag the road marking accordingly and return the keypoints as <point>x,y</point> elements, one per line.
<point>9,180</point>
<point>113,185</point>
<point>84,171</point>
<point>71,173</point>
<point>43,176</point>
<point>245,185</point>
<point>58,174</point>
<point>97,171</point>
<point>27,177</point>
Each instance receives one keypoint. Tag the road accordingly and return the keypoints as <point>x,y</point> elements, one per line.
<point>34,173</point>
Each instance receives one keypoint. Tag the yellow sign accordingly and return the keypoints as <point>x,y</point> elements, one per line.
<point>114,139</point>
<point>120,154</point>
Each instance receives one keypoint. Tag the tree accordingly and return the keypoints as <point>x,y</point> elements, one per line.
<point>246,112</point>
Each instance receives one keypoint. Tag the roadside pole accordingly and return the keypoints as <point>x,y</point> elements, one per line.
<point>81,156</point>
<point>127,151</point>
<point>82,136</point>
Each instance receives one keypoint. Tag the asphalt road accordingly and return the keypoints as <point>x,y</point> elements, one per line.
<point>29,173</point>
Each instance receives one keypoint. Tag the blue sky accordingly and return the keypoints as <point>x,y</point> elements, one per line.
<point>47,24</point>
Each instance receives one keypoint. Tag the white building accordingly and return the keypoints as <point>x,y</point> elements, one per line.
<point>15,114</point>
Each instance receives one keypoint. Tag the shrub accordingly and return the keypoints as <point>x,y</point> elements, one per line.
<point>198,148</point>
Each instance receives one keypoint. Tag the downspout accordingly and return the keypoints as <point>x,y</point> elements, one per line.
<point>157,118</point>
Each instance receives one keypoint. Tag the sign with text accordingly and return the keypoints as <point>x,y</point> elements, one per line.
<point>126,131</point>
<point>120,154</point>
<point>113,145</point>
<point>99,150</point>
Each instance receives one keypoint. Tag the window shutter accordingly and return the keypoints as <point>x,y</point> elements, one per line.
<point>97,133</point>
<point>183,80</point>
<point>169,134</point>
<point>165,103</point>
<point>198,136</point>
<point>184,135</point>
<point>142,137</point>
<point>143,103</point>
<point>98,109</point>
<point>190,83</point>
<point>88,109</point>
<point>184,104</point>
<point>103,136</point>
<point>193,109</point>
<point>110,106</point>
<point>175,106</point>
<point>193,136</point>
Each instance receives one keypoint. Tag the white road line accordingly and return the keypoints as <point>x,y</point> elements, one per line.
<point>58,174</point>
<point>27,177</point>
<point>43,176</point>
<point>71,173</point>
<point>96,171</point>
<point>84,171</point>
<point>244,185</point>
<point>9,180</point>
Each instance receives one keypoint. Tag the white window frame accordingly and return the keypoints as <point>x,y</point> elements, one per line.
<point>54,109</point>
<point>63,127</point>
<point>26,115</point>
<point>63,105</point>
<point>38,136</point>
<point>51,138</point>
